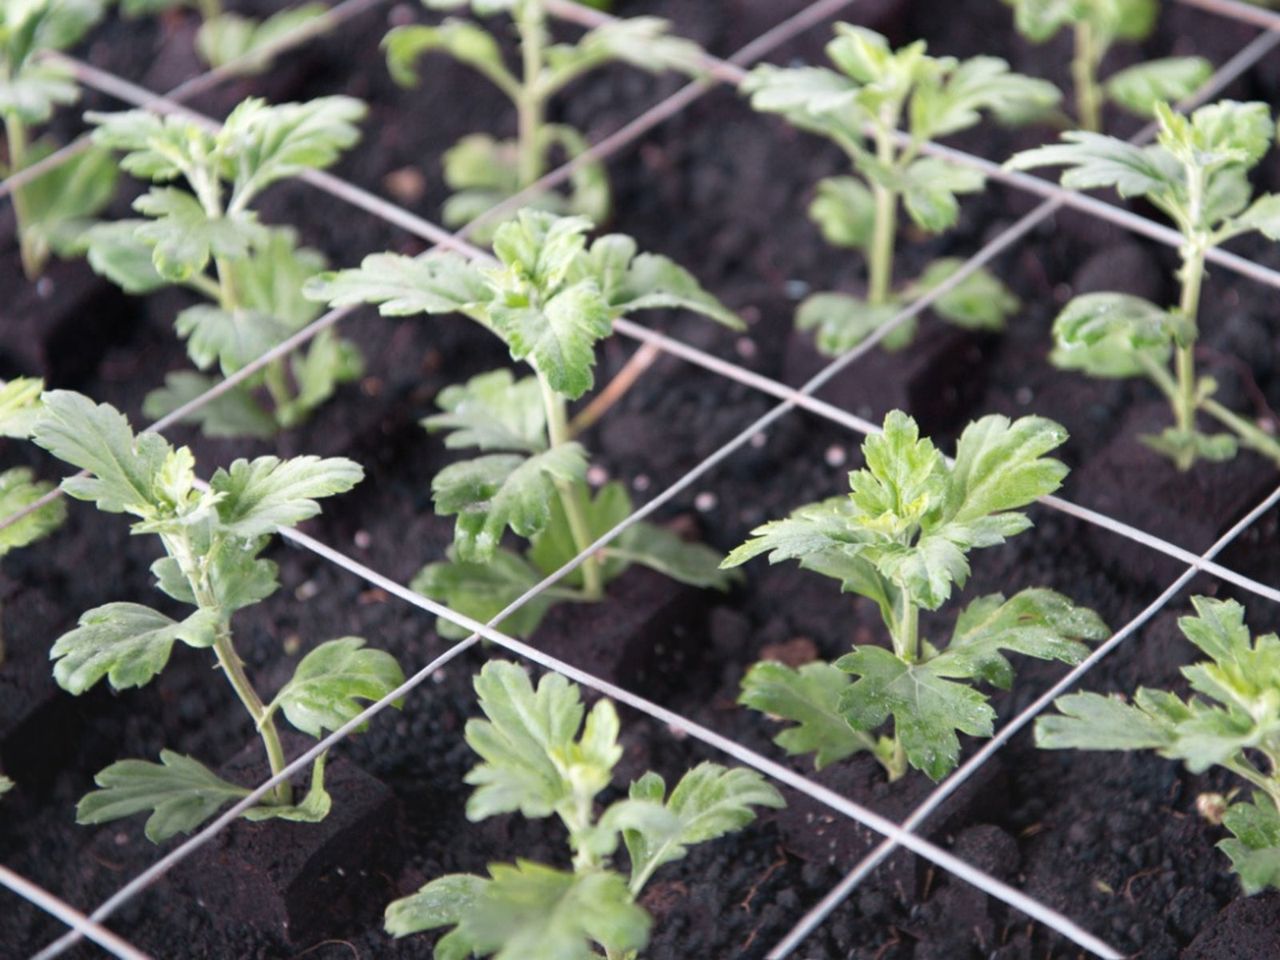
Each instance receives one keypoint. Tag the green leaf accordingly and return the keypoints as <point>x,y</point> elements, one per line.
<point>330,681</point>
<point>1263,215</point>
<point>648,281</point>
<point>499,490</point>
<point>231,38</point>
<point>19,489</point>
<point>904,479</point>
<point>708,802</point>
<point>643,42</point>
<point>98,438</point>
<point>482,590</point>
<point>462,40</point>
<point>328,362</point>
<point>1089,721</point>
<point>116,252</point>
<point>978,302</point>
<point>403,286</point>
<point>1255,848</point>
<point>5,784</point>
<point>315,806</point>
<point>125,642</point>
<point>927,708</point>
<point>20,406</point>
<point>531,912</point>
<point>182,236</point>
<point>36,90</point>
<point>930,192</point>
<point>1220,133</point>
<point>1035,623</point>
<point>61,204</point>
<point>556,546</point>
<point>844,211</point>
<point>261,496</point>
<point>1167,80</point>
<point>531,761</point>
<point>663,550</point>
<point>443,902</point>
<point>953,96</point>
<point>807,696</point>
<point>842,321</point>
<point>1093,160</point>
<point>1113,335</point>
<point>492,411</point>
<point>180,793</point>
<point>270,282</point>
<point>1185,447</point>
<point>229,338</point>
<point>155,148</point>
<point>235,413</point>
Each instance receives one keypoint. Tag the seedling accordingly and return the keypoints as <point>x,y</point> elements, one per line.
<point>209,239</point>
<point>1231,720</point>
<point>539,759</point>
<point>551,298</point>
<point>882,107</point>
<point>1096,25</point>
<point>213,537</point>
<point>1197,175</point>
<point>55,208</point>
<point>902,539</point>
<point>226,37</point>
<point>483,171</point>
<point>19,490</point>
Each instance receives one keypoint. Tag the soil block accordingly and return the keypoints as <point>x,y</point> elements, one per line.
<point>1248,929</point>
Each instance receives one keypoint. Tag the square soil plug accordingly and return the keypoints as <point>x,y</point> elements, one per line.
<point>300,881</point>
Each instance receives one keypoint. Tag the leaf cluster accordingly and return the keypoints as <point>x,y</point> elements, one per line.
<point>19,490</point>
<point>902,539</point>
<point>540,758</point>
<point>213,536</point>
<point>1230,720</point>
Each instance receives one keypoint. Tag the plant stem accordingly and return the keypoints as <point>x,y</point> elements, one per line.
<point>571,494</point>
<point>1250,435</point>
<point>532,24</point>
<point>1192,276</point>
<point>1084,75</point>
<point>880,266</point>
<point>906,636</point>
<point>15,134</point>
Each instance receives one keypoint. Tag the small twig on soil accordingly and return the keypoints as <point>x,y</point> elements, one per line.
<point>1128,884</point>
<point>328,943</point>
<point>929,876</point>
<point>755,887</point>
<point>616,389</point>
<point>888,944</point>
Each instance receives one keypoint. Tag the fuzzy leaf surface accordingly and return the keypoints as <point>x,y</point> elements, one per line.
<point>330,681</point>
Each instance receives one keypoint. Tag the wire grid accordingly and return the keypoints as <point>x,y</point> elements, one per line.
<point>900,837</point>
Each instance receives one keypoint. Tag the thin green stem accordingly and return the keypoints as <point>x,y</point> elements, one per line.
<point>1084,75</point>
<point>15,133</point>
<point>1192,277</point>
<point>572,494</point>
<point>896,764</point>
<point>1250,435</point>
<point>531,104</point>
<point>884,232</point>
<point>1242,768</point>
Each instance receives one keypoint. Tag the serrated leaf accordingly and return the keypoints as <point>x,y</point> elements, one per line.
<point>155,148</point>
<point>125,642</point>
<point>1167,80</point>
<point>1035,623</point>
<point>949,100</point>
<point>18,490</point>
<point>180,793</point>
<point>665,551</point>
<point>441,903</point>
<point>235,413</point>
<point>261,496</point>
<point>36,90</point>
<point>1000,466</point>
<point>842,321</point>
<point>844,210</point>
<point>20,406</point>
<point>271,281</point>
<point>927,708</point>
<point>492,411</point>
<point>1263,215</point>
<point>1113,335</point>
<point>315,806</point>
<point>60,205</point>
<point>330,681</point>
<point>462,40</point>
<point>556,545</point>
<point>183,237</point>
<point>643,42</point>
<point>1094,160</point>
<point>497,491</point>
<point>807,696</point>
<point>1254,850</point>
<point>229,338</point>
<point>1090,721</point>
<point>979,302</point>
<point>403,286</point>
<point>559,337</point>
<point>708,802</point>
<point>930,188</point>
<point>904,479</point>
<point>1185,447</point>
<point>115,252</point>
<point>98,438</point>
<point>1219,133</point>
<point>482,590</point>
<point>230,38</point>
<point>647,281</point>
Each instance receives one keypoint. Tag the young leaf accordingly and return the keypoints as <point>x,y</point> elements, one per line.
<point>930,188</point>
<point>905,477</point>
<point>492,411</point>
<point>115,252</point>
<point>665,551</point>
<point>125,642</point>
<point>263,495</point>
<point>183,237</point>
<point>642,42</point>
<point>1254,849</point>
<point>843,321</point>
<point>229,338</point>
<point>97,438</point>
<point>708,802</point>
<point>1114,335</point>
<point>315,806</point>
<point>979,302</point>
<point>330,681</point>
<point>180,793</point>
<point>20,406</point>
<point>927,708</point>
<point>809,697</point>
<point>231,38</point>
<point>464,41</point>
<point>403,286</point>
<point>1094,160</point>
<point>1089,721</point>
<point>1139,88</point>
<point>235,413</point>
<point>631,282</point>
<point>482,590</point>
<point>501,490</point>
<point>443,902</point>
<point>61,204</point>
<point>953,97</point>
<point>844,211</point>
<point>18,490</point>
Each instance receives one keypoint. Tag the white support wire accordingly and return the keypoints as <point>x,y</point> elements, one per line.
<point>334,17</point>
<point>814,918</point>
<point>113,944</point>
<point>906,839</point>
<point>1254,16</point>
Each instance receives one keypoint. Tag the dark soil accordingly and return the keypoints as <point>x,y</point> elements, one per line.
<point>1112,841</point>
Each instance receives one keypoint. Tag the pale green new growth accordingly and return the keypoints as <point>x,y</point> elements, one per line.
<point>484,171</point>
<point>224,38</point>
<point>882,107</point>
<point>55,208</point>
<point>551,298</point>
<point>1197,174</point>
<point>208,238</point>
<point>1095,26</point>
<point>1232,720</point>
<point>212,539</point>
<point>539,758</point>
<point>902,539</point>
